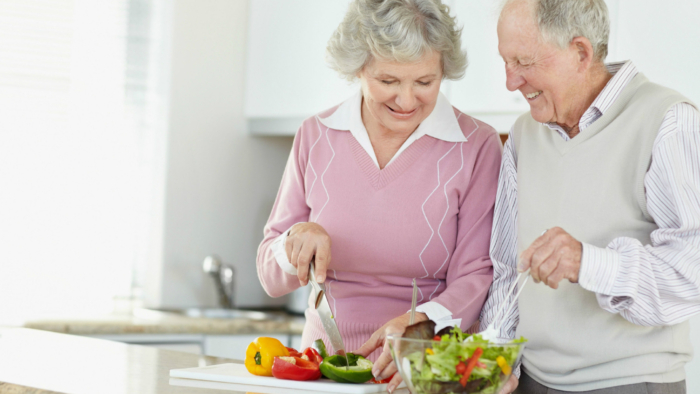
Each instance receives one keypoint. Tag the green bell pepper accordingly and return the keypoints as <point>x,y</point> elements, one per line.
<point>359,370</point>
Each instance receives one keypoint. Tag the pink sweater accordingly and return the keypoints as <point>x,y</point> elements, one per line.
<point>427,215</point>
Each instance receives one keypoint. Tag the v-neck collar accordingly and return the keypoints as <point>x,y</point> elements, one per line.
<point>441,124</point>
<point>622,74</point>
<point>379,178</point>
<point>621,99</point>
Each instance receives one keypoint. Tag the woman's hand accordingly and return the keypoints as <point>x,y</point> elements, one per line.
<point>510,385</point>
<point>384,367</point>
<point>306,240</point>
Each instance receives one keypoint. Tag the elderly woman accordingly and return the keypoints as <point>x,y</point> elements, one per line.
<point>392,185</point>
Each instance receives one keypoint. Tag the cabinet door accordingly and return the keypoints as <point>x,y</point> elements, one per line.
<point>483,88</point>
<point>662,39</point>
<point>286,74</point>
<point>193,348</point>
<point>234,346</point>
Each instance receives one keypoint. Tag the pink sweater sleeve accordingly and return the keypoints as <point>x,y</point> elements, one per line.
<point>290,208</point>
<point>470,272</point>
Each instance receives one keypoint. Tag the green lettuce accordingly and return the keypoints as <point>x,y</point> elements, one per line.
<point>434,372</point>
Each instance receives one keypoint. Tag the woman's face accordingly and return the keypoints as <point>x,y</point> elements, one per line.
<point>397,97</point>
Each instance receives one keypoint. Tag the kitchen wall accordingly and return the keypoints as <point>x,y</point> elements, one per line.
<point>221,182</point>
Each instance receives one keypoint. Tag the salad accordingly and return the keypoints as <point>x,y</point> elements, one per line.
<point>454,361</point>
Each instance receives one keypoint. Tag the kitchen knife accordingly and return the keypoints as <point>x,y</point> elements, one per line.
<point>326,315</point>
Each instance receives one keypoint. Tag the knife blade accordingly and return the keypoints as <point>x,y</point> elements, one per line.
<point>324,312</point>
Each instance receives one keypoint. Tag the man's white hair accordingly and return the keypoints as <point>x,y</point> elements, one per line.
<point>400,30</point>
<point>560,21</point>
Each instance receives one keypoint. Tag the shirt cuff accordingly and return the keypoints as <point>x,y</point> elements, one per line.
<point>599,268</point>
<point>434,311</point>
<point>439,314</point>
<point>278,249</point>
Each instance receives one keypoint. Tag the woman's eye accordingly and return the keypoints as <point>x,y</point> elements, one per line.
<point>387,82</point>
<point>425,83</point>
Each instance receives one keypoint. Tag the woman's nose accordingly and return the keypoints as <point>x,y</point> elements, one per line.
<point>406,99</point>
<point>514,79</point>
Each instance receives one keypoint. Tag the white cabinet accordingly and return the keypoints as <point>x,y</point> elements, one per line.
<point>227,346</point>
<point>234,346</point>
<point>483,88</point>
<point>286,74</point>
<point>662,40</point>
<point>288,80</point>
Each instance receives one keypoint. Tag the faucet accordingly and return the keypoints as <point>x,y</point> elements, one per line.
<point>223,278</point>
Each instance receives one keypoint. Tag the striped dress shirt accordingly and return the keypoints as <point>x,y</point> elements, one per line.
<point>649,285</point>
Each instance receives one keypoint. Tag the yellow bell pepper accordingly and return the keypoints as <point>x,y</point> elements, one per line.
<point>261,354</point>
<point>505,368</point>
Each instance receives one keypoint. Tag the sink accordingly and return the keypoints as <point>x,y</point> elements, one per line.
<point>210,313</point>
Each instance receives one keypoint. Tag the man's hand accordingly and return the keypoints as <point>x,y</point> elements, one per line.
<point>554,256</point>
<point>306,240</point>
<point>510,385</point>
<point>384,367</point>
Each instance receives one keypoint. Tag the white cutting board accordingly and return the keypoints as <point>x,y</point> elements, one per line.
<point>237,373</point>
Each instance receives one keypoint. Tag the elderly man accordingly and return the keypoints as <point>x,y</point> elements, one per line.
<point>608,164</point>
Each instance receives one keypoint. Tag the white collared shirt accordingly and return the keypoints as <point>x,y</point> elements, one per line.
<point>441,124</point>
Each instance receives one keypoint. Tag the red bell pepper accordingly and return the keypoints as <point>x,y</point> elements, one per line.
<point>293,352</point>
<point>383,381</point>
<point>312,355</point>
<point>295,368</point>
<point>470,366</point>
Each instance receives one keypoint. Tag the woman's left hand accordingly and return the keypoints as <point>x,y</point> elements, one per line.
<point>384,367</point>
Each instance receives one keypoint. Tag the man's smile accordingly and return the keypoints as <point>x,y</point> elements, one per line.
<point>532,96</point>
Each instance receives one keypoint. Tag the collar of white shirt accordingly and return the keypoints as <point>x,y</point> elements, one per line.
<point>623,73</point>
<point>441,124</point>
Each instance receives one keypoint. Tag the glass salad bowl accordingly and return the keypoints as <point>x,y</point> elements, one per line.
<point>456,363</point>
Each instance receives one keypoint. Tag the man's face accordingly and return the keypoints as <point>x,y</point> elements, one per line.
<point>548,77</point>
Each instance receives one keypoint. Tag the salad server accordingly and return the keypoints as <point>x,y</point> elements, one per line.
<point>491,331</point>
<point>326,315</point>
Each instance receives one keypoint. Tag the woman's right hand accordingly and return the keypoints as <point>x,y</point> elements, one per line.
<point>306,240</point>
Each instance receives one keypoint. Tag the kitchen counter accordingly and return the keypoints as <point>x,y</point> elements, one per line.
<point>41,362</point>
<point>145,321</point>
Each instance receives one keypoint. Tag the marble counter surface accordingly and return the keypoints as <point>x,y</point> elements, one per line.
<point>154,322</point>
<point>41,362</point>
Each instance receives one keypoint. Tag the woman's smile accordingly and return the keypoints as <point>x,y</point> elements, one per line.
<point>402,115</point>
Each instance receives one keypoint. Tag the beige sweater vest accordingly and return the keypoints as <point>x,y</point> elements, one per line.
<point>593,187</point>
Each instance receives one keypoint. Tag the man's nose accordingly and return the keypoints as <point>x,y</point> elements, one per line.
<point>514,79</point>
<point>406,99</point>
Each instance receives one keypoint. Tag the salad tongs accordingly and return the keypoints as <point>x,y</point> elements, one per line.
<point>492,330</point>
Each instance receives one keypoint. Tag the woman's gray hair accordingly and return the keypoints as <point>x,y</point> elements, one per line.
<point>400,30</point>
<point>560,21</point>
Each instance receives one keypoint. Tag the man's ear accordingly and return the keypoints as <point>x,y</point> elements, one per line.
<point>585,52</point>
